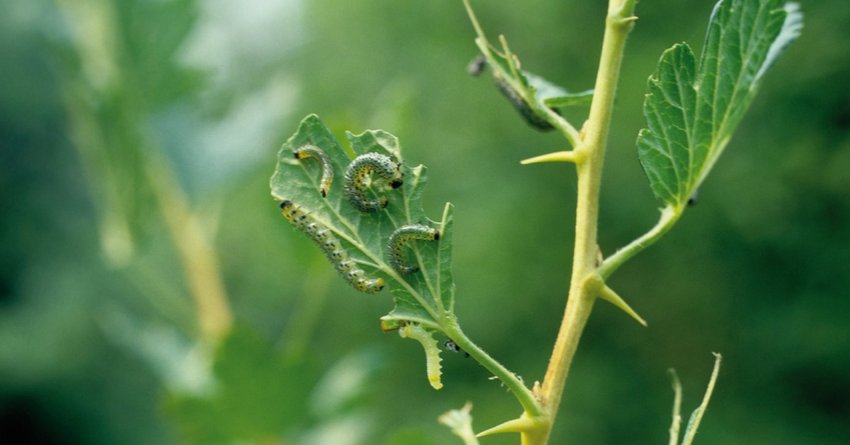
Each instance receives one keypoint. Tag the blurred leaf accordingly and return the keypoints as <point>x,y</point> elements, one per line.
<point>420,296</point>
<point>691,111</point>
<point>258,395</point>
<point>460,422</point>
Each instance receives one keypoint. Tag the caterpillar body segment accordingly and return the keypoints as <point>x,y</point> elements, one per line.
<point>311,151</point>
<point>358,180</point>
<point>400,237</point>
<point>432,351</point>
<point>331,247</point>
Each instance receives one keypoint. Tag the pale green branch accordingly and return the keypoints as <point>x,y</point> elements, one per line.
<point>669,216</point>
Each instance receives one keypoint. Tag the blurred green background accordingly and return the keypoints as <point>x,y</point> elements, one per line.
<point>137,141</point>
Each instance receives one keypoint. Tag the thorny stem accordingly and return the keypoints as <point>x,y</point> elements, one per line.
<point>580,301</point>
<point>512,382</point>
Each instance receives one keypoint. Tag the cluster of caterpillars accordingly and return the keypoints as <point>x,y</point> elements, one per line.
<point>360,175</point>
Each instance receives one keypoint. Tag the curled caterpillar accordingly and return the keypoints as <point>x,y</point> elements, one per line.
<point>432,351</point>
<point>522,106</point>
<point>331,247</point>
<point>311,151</point>
<point>398,239</point>
<point>358,178</point>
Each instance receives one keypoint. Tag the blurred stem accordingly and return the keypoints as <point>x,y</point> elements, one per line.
<point>98,41</point>
<point>619,23</point>
<point>198,256</point>
<point>116,238</point>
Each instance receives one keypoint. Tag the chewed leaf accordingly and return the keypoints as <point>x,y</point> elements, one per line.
<point>432,351</point>
<point>354,237</point>
<point>692,108</point>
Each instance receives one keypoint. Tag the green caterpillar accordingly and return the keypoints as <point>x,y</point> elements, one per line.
<point>398,239</point>
<point>432,352</point>
<point>331,247</point>
<point>311,151</point>
<point>358,179</point>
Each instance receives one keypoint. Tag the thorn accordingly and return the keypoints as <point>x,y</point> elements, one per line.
<point>608,294</point>
<point>517,425</point>
<point>558,156</point>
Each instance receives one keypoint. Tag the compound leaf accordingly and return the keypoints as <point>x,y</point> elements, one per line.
<point>692,109</point>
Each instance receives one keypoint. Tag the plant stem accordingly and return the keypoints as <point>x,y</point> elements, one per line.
<point>512,382</point>
<point>618,24</point>
<point>669,216</point>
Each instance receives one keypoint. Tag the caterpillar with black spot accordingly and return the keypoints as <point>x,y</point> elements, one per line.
<point>521,105</point>
<point>331,247</point>
<point>450,345</point>
<point>477,65</point>
<point>358,180</point>
<point>400,237</point>
<point>311,151</point>
<point>432,352</point>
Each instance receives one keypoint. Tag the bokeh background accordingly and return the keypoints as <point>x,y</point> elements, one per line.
<point>137,141</point>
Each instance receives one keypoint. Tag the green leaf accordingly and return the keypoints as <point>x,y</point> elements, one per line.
<point>422,297</point>
<point>569,99</point>
<point>692,109</point>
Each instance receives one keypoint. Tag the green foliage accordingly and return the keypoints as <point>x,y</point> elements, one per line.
<point>423,297</point>
<point>764,259</point>
<point>691,110</point>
